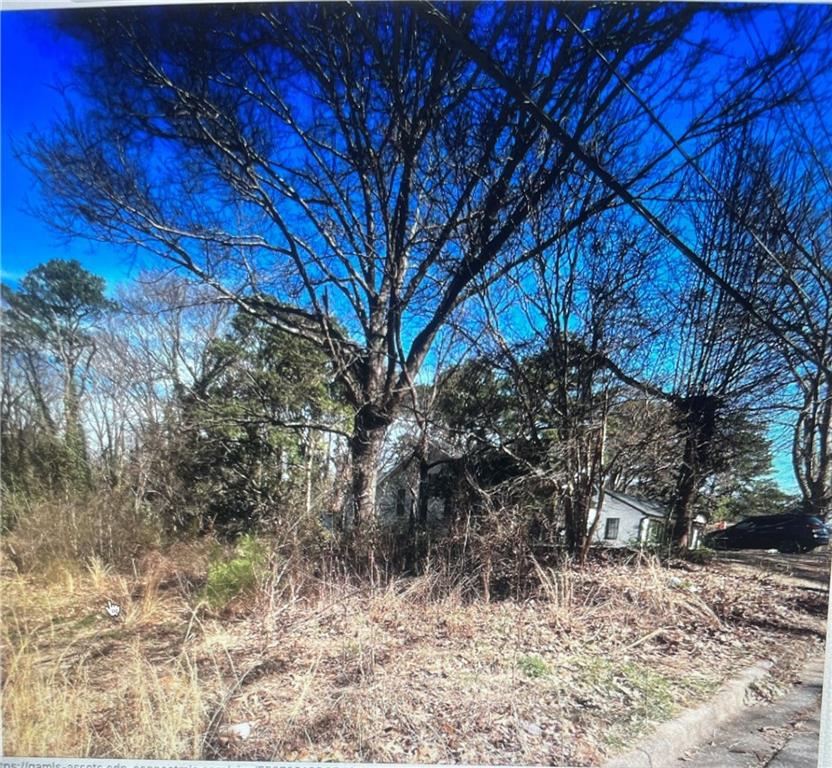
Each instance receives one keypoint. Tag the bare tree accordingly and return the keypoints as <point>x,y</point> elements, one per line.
<point>723,364</point>
<point>768,82</point>
<point>345,159</point>
<point>547,334</point>
<point>799,185</point>
<point>798,188</point>
<point>151,353</point>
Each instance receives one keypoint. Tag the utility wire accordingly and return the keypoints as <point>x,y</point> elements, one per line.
<point>687,157</point>
<point>488,65</point>
<point>807,85</point>
<point>802,74</point>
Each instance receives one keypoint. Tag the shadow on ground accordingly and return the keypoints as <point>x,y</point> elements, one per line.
<point>812,566</point>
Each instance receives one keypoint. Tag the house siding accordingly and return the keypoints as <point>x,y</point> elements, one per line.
<point>395,494</point>
<point>630,527</point>
<point>396,508</point>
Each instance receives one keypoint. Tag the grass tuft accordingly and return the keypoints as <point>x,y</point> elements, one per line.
<point>229,577</point>
<point>533,666</point>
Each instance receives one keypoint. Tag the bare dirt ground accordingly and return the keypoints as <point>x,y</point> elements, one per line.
<point>407,672</point>
<point>812,566</point>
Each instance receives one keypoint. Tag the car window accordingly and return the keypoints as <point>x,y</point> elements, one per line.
<point>745,525</point>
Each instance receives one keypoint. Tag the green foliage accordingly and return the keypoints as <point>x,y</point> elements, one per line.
<point>48,325</point>
<point>473,399</point>
<point>246,453</point>
<point>230,576</point>
<point>57,303</point>
<point>651,696</point>
<point>524,402</point>
<point>760,497</point>
<point>533,666</point>
<point>523,399</point>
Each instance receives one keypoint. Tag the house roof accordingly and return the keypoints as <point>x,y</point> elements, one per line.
<point>649,508</point>
<point>437,454</point>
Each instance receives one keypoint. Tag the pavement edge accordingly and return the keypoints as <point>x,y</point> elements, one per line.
<point>694,726</point>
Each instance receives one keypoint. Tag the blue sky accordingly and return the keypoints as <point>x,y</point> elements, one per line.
<point>34,59</point>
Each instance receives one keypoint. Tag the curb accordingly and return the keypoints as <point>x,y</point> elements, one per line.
<point>672,739</point>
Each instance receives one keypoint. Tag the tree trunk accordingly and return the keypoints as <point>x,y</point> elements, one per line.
<point>308,475</point>
<point>424,497</point>
<point>364,451</point>
<point>369,429</point>
<point>812,449</point>
<point>576,502</point>
<point>684,494</point>
<point>590,535</point>
<point>819,500</point>
<point>74,439</point>
<point>699,424</point>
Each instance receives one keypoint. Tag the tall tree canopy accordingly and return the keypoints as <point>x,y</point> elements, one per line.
<point>345,157</point>
<point>49,323</point>
<point>365,162</point>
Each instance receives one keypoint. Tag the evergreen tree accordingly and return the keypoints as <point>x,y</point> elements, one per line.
<point>48,328</point>
<point>257,428</point>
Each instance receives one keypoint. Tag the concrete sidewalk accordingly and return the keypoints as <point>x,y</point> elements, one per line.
<point>782,734</point>
<point>801,750</point>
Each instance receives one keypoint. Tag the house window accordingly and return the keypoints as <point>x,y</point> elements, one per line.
<point>612,528</point>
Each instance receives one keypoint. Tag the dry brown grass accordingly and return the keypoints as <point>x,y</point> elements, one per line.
<point>399,674</point>
<point>412,671</point>
<point>76,682</point>
<point>99,524</point>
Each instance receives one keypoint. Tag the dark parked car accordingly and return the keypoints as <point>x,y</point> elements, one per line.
<point>788,533</point>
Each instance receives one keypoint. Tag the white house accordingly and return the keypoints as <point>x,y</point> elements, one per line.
<point>628,521</point>
<point>397,491</point>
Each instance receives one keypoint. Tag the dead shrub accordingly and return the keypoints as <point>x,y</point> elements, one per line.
<point>106,525</point>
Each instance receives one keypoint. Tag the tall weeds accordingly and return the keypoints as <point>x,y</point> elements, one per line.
<point>104,525</point>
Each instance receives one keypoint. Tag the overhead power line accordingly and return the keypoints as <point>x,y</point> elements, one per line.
<point>689,160</point>
<point>482,59</point>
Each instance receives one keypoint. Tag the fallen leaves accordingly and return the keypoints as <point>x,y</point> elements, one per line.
<point>446,687</point>
<point>400,674</point>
